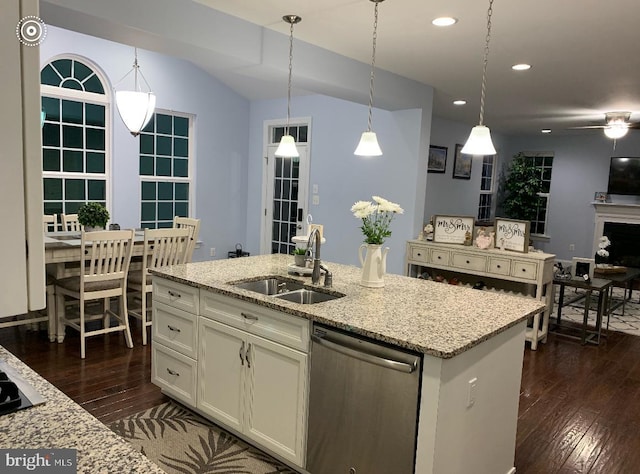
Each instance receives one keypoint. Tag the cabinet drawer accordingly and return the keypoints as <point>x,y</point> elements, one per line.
<point>526,270</point>
<point>279,327</point>
<point>419,254</point>
<point>174,373</point>
<point>469,262</point>
<point>175,329</point>
<point>440,257</point>
<point>175,294</point>
<point>499,266</point>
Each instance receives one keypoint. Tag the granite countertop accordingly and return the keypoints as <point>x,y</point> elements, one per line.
<point>62,423</point>
<point>433,318</point>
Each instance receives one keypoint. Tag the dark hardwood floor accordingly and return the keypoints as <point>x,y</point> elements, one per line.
<point>579,405</point>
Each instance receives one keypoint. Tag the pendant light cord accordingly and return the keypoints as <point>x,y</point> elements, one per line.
<point>486,60</point>
<point>290,70</point>
<point>373,61</point>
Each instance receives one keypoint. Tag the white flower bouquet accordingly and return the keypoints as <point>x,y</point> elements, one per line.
<point>376,218</point>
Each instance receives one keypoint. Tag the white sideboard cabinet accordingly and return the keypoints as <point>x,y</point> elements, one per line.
<point>529,274</point>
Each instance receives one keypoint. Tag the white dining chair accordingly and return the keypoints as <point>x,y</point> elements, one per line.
<point>162,247</point>
<point>103,275</point>
<point>70,223</point>
<point>50,222</point>
<point>194,229</point>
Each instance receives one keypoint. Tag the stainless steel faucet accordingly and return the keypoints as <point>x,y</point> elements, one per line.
<point>317,264</point>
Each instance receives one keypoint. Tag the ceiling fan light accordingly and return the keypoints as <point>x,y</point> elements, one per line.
<point>479,142</point>
<point>287,148</point>
<point>616,130</point>
<point>135,109</point>
<point>368,145</point>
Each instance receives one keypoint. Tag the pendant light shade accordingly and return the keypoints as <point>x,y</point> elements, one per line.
<point>479,141</point>
<point>287,147</point>
<point>368,145</point>
<point>135,106</point>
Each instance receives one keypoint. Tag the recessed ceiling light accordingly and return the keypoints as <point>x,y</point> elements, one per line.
<point>444,21</point>
<point>546,130</point>
<point>459,102</point>
<point>521,67</point>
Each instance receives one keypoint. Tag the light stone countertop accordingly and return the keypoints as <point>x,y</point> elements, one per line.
<point>433,318</point>
<point>62,423</point>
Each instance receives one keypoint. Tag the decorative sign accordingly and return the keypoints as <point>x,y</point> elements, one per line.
<point>512,235</point>
<point>452,229</point>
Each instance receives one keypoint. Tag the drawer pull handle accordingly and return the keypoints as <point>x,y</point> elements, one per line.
<point>175,295</point>
<point>171,372</point>
<point>171,328</point>
<point>249,316</point>
<point>246,355</point>
<point>241,354</point>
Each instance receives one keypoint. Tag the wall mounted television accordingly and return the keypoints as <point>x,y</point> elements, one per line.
<point>624,176</point>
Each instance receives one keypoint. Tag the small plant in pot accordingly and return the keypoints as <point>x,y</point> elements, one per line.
<point>299,256</point>
<point>93,216</point>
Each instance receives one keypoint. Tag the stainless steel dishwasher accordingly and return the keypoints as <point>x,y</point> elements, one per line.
<point>363,406</point>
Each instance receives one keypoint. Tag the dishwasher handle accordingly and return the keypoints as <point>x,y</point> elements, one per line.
<point>364,356</point>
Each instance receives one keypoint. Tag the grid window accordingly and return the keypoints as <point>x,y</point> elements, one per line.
<point>485,204</point>
<point>164,170</point>
<point>298,132</point>
<point>544,163</point>
<point>74,145</point>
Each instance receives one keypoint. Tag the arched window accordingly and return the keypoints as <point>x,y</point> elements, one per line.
<point>75,143</point>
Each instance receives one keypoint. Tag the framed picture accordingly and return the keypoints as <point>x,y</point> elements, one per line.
<point>461,164</point>
<point>582,266</point>
<point>452,229</point>
<point>600,197</point>
<point>437,159</point>
<point>512,235</point>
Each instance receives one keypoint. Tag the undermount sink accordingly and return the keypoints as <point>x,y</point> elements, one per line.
<point>287,289</point>
<point>305,296</point>
<point>269,286</point>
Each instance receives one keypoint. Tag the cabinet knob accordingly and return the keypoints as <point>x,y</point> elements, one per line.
<point>468,262</point>
<point>524,269</point>
<point>498,266</point>
<point>439,257</point>
<point>419,254</point>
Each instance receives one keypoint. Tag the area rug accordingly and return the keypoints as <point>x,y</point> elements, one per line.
<point>181,442</point>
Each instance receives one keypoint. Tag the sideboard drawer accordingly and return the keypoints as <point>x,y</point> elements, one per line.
<point>499,266</point>
<point>175,329</point>
<point>526,270</point>
<point>419,254</point>
<point>469,262</point>
<point>440,257</point>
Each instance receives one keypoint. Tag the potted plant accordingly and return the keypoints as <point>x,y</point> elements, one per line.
<point>93,216</point>
<point>520,188</point>
<point>299,255</point>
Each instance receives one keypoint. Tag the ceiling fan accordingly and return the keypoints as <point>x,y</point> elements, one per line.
<point>616,125</point>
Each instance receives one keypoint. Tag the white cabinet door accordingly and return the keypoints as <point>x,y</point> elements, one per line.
<point>221,366</point>
<point>276,398</point>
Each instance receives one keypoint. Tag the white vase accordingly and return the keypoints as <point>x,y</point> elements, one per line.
<point>374,265</point>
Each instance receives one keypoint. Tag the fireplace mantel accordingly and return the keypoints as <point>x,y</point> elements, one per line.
<point>613,212</point>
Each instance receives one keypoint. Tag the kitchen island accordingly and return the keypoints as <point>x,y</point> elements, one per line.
<point>60,423</point>
<point>472,343</point>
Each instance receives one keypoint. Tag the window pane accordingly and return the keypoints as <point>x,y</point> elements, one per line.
<point>180,147</point>
<point>80,71</point>
<point>165,191</point>
<point>52,189</point>
<point>165,211</point>
<point>51,108</point>
<point>148,191</point>
<point>163,146</point>
<point>302,134</point>
<point>50,159</point>
<point>53,208</point>
<point>72,111</point>
<point>163,167</point>
<point>97,190</point>
<point>95,138</point>
<point>182,209</point>
<point>163,124</point>
<point>63,66</point>
<point>74,189</point>
<point>94,114</point>
<point>49,77</point>
<point>95,162</point>
<point>71,84</point>
<point>148,211</point>
<point>149,127</point>
<point>182,192</point>
<point>51,134</point>
<point>72,207</point>
<point>181,126</point>
<point>146,165</point>
<point>146,144</point>
<point>72,161</point>
<point>180,168</point>
<point>278,132</point>
<point>94,85</point>
<point>72,137</point>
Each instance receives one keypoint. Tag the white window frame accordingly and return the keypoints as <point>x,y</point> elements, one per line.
<point>92,98</point>
<point>545,195</point>
<point>492,186</point>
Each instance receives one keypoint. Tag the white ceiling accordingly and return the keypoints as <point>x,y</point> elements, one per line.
<point>584,53</point>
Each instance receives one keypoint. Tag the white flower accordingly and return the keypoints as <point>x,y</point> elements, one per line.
<point>604,243</point>
<point>363,212</point>
<point>428,228</point>
<point>360,205</point>
<point>387,206</point>
<point>376,218</point>
<point>602,252</point>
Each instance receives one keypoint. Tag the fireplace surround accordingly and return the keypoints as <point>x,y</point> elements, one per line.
<point>621,223</point>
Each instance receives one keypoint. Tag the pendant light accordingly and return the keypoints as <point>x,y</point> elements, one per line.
<point>479,141</point>
<point>287,147</point>
<point>135,107</point>
<point>368,145</point>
